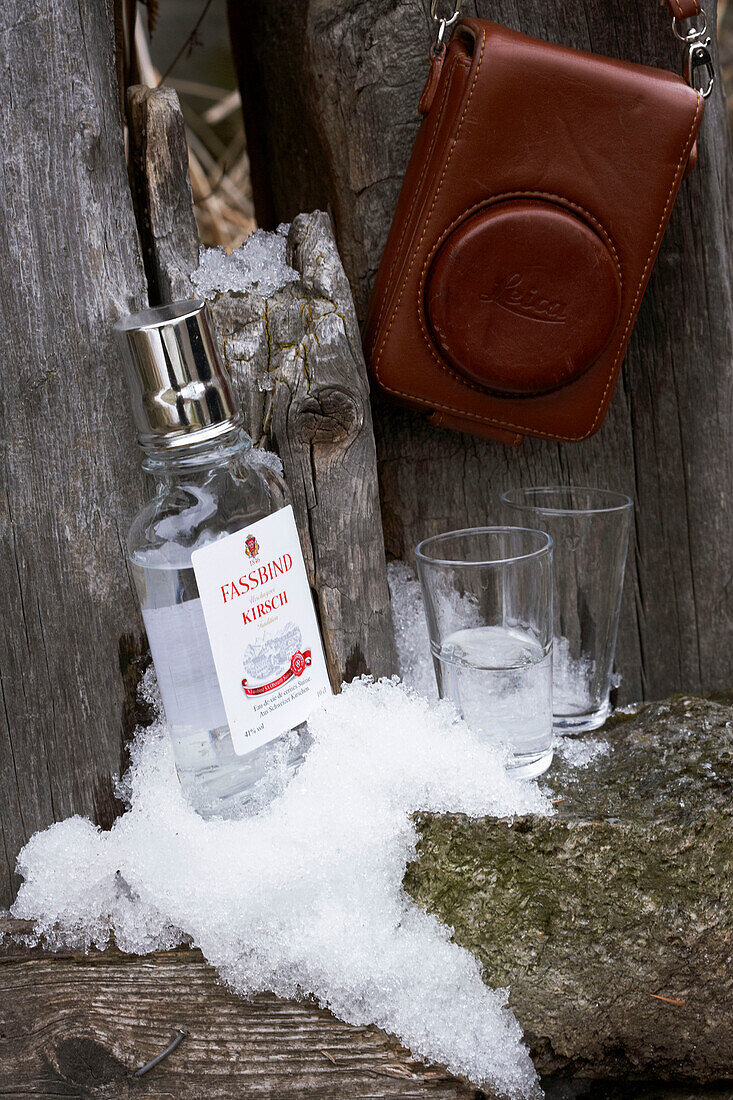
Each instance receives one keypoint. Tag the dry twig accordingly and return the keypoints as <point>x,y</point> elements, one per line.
<point>218,165</point>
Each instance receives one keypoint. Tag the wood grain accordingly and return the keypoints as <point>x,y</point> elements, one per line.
<point>330,93</point>
<point>80,1025</point>
<point>70,264</point>
<point>162,192</point>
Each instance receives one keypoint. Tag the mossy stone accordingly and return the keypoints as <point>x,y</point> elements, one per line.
<point>611,922</point>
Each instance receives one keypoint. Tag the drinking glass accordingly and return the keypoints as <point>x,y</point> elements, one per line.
<point>590,532</point>
<point>487,593</point>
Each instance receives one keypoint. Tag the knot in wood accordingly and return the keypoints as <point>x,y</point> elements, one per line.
<point>328,415</point>
<point>84,1063</point>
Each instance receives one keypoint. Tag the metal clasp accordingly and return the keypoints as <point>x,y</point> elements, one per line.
<point>444,21</point>
<point>698,62</point>
<point>699,59</point>
<point>694,33</point>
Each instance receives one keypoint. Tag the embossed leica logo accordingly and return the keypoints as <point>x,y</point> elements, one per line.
<point>516,295</point>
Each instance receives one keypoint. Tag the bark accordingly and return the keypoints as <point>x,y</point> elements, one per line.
<point>296,358</point>
<point>70,265</point>
<point>330,89</point>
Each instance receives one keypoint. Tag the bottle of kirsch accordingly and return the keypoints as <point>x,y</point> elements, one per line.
<point>219,573</point>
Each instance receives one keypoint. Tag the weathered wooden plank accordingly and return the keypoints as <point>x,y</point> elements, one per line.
<point>295,356</point>
<point>162,192</point>
<point>330,89</point>
<point>80,1025</point>
<point>70,264</point>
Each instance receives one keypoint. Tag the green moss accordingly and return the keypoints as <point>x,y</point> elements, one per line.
<point>623,898</point>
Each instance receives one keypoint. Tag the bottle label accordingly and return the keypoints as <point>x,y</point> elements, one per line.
<point>262,628</point>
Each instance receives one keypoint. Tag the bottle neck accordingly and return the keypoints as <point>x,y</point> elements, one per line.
<point>191,458</point>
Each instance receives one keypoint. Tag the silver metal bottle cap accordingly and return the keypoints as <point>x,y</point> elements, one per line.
<point>181,391</point>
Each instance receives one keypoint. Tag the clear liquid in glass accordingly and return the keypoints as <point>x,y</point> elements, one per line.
<point>500,680</point>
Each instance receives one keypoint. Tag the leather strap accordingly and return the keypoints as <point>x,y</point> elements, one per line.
<point>437,57</point>
<point>684,9</point>
<point>474,427</point>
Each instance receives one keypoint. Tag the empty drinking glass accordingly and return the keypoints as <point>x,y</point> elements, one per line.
<point>590,532</point>
<point>487,594</point>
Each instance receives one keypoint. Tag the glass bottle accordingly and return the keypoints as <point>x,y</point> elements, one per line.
<point>206,486</point>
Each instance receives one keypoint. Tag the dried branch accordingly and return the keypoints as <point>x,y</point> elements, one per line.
<point>189,44</point>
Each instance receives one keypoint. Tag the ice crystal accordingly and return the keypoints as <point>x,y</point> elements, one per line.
<point>259,265</point>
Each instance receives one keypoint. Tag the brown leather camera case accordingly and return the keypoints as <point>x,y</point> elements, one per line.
<point>532,211</point>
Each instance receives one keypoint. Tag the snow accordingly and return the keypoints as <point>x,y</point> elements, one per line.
<point>572,680</point>
<point>580,752</point>
<point>411,632</point>
<point>265,460</point>
<point>631,709</point>
<point>260,265</point>
<point>304,897</point>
